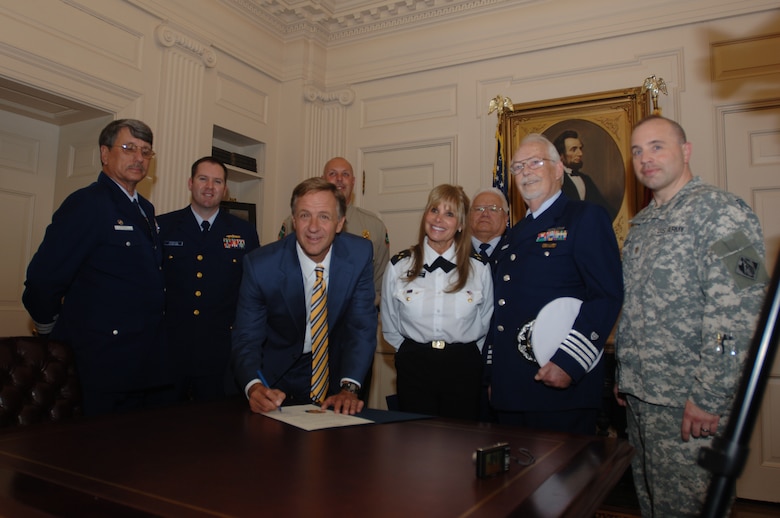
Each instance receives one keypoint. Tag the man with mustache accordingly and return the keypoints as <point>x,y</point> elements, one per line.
<point>96,281</point>
<point>562,248</point>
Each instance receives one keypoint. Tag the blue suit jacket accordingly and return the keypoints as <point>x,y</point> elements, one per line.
<point>270,325</point>
<point>200,308</point>
<point>580,260</point>
<point>99,269</point>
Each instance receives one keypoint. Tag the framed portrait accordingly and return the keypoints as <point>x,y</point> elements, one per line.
<point>593,136</point>
<point>245,211</point>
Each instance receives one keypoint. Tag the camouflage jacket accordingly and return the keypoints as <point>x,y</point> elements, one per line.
<point>695,280</point>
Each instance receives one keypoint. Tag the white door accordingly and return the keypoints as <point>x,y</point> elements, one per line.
<point>28,160</point>
<point>397,183</point>
<point>752,144</point>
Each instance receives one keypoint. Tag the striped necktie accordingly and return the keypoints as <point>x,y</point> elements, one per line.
<point>319,338</point>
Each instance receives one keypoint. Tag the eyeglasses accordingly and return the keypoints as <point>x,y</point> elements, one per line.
<point>532,164</point>
<point>494,209</point>
<point>131,148</point>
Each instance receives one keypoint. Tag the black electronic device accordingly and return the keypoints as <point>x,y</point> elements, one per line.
<point>492,460</point>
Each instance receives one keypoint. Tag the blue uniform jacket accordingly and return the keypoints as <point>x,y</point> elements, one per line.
<point>202,276</point>
<point>493,259</point>
<point>569,251</point>
<point>99,269</point>
<point>270,325</point>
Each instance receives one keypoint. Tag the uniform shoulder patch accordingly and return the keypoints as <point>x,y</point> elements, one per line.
<point>401,255</point>
<point>743,261</point>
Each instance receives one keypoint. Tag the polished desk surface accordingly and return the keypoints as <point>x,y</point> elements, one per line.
<point>221,460</point>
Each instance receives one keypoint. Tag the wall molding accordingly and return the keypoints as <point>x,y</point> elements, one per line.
<point>167,36</point>
<point>343,96</point>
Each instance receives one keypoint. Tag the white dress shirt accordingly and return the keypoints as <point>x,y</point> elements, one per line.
<point>421,310</point>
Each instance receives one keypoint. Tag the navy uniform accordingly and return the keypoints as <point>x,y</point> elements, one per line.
<point>202,275</point>
<point>569,250</point>
<point>491,253</point>
<point>98,272</point>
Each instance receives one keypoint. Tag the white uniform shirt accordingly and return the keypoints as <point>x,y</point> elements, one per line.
<point>421,310</point>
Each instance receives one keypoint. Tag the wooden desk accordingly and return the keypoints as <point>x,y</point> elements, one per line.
<point>221,460</point>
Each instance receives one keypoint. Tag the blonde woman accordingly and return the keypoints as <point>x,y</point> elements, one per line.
<point>437,300</point>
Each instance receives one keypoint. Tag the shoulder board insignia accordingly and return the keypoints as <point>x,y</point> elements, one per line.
<point>401,255</point>
<point>476,255</point>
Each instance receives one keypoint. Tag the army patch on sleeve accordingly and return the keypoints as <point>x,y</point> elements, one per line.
<point>747,267</point>
<point>743,261</point>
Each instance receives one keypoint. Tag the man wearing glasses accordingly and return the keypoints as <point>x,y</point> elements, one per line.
<point>96,281</point>
<point>488,220</point>
<point>562,249</point>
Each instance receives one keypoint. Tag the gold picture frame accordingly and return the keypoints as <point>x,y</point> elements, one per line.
<point>604,122</point>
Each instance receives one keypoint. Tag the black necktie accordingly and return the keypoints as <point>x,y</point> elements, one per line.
<point>146,219</point>
<point>483,248</point>
<point>205,225</point>
<point>442,263</point>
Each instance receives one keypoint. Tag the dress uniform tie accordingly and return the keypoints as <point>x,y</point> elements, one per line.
<point>319,338</point>
<point>483,248</point>
<point>205,225</point>
<point>442,263</point>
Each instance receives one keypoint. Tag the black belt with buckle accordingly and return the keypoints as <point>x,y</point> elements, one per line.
<point>438,344</point>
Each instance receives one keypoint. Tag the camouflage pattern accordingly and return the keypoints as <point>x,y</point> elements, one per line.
<point>363,223</point>
<point>678,484</point>
<point>695,280</point>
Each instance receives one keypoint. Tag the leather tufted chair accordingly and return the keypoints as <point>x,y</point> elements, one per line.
<point>38,381</point>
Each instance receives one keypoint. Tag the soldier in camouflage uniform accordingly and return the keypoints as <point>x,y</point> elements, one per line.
<point>360,222</point>
<point>695,279</point>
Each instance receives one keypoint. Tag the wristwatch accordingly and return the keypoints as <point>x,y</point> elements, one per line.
<point>350,387</point>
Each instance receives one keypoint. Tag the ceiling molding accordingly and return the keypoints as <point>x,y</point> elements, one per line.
<point>335,21</point>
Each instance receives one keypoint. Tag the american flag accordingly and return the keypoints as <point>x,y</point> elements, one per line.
<point>499,170</point>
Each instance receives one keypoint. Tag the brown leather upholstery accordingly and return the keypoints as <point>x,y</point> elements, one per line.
<point>38,381</point>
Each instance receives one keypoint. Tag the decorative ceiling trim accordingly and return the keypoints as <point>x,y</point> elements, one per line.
<point>333,22</point>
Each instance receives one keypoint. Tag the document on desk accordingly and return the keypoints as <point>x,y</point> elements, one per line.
<point>312,417</point>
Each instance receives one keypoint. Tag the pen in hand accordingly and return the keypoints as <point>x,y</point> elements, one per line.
<point>265,383</point>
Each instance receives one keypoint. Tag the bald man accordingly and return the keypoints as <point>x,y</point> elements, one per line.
<point>360,222</point>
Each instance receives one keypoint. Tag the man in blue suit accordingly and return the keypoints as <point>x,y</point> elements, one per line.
<point>96,281</point>
<point>272,342</point>
<point>562,248</point>
<point>204,249</point>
